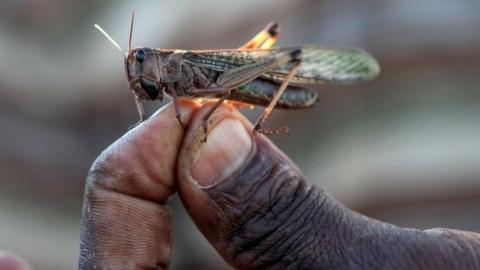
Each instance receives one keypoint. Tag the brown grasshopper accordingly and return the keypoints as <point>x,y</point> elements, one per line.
<point>255,73</point>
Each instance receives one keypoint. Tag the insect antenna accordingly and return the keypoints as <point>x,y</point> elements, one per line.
<point>131,30</point>
<point>110,39</point>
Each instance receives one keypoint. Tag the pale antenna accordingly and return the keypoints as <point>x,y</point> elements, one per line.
<point>131,30</point>
<point>110,39</point>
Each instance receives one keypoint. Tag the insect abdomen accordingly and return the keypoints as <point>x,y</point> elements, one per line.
<point>260,92</point>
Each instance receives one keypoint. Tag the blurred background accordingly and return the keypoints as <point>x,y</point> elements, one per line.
<point>404,148</point>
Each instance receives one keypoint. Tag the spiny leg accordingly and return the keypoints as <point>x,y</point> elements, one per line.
<point>264,39</point>
<point>258,128</point>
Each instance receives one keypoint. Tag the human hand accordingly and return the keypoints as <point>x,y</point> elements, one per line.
<point>246,197</point>
<point>9,261</point>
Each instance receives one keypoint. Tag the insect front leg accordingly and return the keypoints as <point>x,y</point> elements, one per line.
<point>258,128</point>
<point>264,39</point>
<point>141,111</point>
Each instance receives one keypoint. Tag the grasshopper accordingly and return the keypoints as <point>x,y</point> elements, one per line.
<point>255,73</point>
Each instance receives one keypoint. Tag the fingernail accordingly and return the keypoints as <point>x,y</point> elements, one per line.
<point>225,151</point>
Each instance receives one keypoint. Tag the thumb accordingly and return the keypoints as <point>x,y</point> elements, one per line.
<point>247,198</point>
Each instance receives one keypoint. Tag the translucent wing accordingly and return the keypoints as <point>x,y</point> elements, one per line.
<point>319,65</point>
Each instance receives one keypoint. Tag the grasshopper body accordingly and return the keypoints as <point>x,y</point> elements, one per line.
<point>150,72</point>
<point>255,73</point>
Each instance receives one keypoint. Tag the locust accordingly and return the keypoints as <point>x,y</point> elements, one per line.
<point>255,73</point>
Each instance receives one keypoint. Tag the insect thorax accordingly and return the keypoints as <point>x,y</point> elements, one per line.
<point>170,65</point>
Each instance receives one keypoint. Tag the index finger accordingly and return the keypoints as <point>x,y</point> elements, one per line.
<point>125,224</point>
<point>141,162</point>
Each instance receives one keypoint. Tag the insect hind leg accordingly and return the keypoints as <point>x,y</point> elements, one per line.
<point>264,39</point>
<point>258,128</point>
<point>240,75</point>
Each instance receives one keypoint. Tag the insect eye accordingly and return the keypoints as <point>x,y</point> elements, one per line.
<point>140,56</point>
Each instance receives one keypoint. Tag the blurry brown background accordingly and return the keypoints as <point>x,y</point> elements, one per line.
<point>404,148</point>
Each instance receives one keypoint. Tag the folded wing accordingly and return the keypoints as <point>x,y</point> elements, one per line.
<point>319,64</point>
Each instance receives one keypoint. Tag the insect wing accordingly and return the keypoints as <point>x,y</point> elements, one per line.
<point>330,65</point>
<point>319,65</point>
<point>222,60</point>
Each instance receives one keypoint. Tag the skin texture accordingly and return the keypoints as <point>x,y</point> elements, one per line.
<point>246,197</point>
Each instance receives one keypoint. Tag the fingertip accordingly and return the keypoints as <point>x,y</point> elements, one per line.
<point>228,145</point>
<point>9,261</point>
<point>142,162</point>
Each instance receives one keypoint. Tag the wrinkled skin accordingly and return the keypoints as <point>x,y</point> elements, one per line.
<point>265,215</point>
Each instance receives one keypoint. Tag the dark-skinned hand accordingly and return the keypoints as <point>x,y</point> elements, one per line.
<point>246,197</point>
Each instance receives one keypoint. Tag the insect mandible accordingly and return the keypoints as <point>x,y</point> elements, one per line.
<point>255,74</point>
